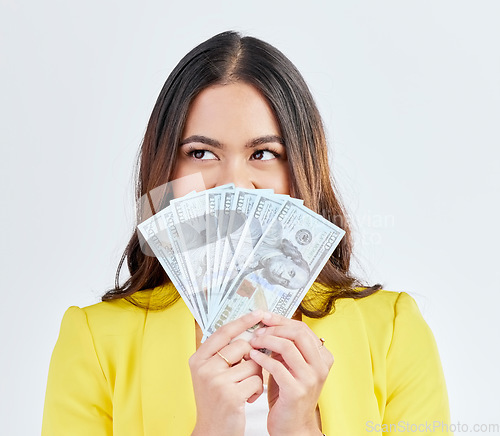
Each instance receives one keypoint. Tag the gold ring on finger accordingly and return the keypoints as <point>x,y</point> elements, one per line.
<point>225,360</point>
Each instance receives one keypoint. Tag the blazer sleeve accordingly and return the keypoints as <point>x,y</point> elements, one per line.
<point>77,399</point>
<point>417,400</point>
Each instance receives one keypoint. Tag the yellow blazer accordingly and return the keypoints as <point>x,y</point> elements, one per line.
<point>120,370</point>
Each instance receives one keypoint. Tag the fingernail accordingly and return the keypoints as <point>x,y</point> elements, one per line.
<point>257,313</point>
<point>260,331</point>
<point>254,353</point>
<point>267,315</point>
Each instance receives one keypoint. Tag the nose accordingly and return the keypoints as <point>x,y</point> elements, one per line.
<point>237,173</point>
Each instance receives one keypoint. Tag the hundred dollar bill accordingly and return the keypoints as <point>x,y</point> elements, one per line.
<point>154,230</point>
<point>190,242</point>
<point>185,276</point>
<point>225,211</point>
<point>282,266</point>
<point>245,202</point>
<point>213,201</point>
<point>214,205</point>
<point>263,212</point>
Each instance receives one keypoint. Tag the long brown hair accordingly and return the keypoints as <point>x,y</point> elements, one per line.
<point>226,58</point>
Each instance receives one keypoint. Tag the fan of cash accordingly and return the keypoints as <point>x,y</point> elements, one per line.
<point>230,250</point>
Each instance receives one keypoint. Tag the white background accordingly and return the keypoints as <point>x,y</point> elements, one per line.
<point>410,95</point>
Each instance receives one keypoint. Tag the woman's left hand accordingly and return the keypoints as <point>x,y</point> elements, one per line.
<point>299,365</point>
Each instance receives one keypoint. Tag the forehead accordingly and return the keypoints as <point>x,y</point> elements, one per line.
<point>230,111</point>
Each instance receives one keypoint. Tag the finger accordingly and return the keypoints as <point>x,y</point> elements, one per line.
<point>298,332</point>
<point>301,335</point>
<point>281,375</point>
<point>270,320</point>
<point>237,368</point>
<point>251,387</point>
<point>244,370</point>
<point>287,349</point>
<point>227,332</point>
<point>234,352</point>
<point>254,397</point>
<point>273,319</point>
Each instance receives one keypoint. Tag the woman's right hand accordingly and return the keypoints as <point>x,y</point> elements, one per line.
<point>220,390</point>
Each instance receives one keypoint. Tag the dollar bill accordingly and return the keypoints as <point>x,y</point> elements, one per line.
<point>189,219</point>
<point>283,265</point>
<point>213,205</point>
<point>226,209</point>
<point>229,251</point>
<point>264,210</point>
<point>155,232</point>
<point>215,199</point>
<point>244,204</point>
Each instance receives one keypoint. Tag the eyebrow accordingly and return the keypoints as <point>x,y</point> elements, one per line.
<point>251,144</point>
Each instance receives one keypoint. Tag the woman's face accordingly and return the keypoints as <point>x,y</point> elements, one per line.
<point>232,136</point>
<point>285,272</point>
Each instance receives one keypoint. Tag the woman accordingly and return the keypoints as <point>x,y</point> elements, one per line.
<point>236,110</point>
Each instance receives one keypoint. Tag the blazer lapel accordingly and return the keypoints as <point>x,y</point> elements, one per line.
<point>168,405</point>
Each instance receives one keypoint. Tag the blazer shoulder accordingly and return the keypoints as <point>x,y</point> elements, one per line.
<point>386,304</point>
<point>380,299</point>
<point>388,315</point>
<point>113,317</point>
<point>381,313</point>
<point>375,314</point>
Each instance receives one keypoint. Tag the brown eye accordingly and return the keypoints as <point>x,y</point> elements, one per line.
<point>264,155</point>
<point>202,155</point>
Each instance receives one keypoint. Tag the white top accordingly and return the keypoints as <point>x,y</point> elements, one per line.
<point>256,416</point>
